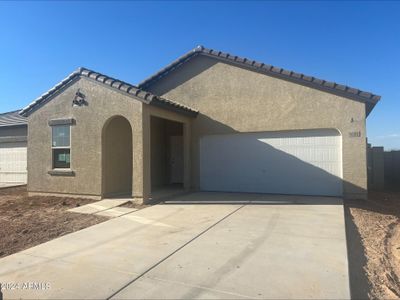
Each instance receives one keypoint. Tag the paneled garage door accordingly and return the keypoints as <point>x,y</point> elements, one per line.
<point>306,162</point>
<point>13,163</point>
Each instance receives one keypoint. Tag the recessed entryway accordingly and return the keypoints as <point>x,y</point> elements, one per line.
<point>167,157</point>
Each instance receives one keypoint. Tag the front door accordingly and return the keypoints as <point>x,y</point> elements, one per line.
<point>176,159</point>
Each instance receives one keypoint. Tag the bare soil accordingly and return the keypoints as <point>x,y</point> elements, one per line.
<point>28,221</point>
<point>378,224</point>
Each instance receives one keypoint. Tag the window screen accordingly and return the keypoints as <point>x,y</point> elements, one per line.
<point>61,136</point>
<point>61,147</point>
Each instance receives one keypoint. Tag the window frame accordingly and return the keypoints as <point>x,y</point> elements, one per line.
<point>61,147</point>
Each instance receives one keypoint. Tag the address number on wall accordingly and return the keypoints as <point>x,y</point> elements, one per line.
<point>354,134</point>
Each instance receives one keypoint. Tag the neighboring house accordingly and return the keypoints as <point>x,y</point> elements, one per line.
<point>229,124</point>
<point>13,140</point>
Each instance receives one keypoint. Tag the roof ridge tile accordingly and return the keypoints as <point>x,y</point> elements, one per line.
<point>120,85</point>
<point>311,81</point>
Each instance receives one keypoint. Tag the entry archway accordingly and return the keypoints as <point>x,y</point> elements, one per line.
<point>117,157</point>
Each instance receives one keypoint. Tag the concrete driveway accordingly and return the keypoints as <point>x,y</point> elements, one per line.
<point>185,250</point>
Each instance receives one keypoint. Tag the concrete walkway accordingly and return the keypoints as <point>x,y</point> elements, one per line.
<point>192,251</point>
<point>105,207</point>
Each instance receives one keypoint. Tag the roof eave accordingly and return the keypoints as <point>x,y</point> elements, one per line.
<point>326,86</point>
<point>50,94</point>
<point>14,125</point>
<point>173,65</point>
<point>192,114</point>
<point>109,82</point>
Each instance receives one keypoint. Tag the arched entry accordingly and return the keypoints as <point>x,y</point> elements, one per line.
<point>117,157</point>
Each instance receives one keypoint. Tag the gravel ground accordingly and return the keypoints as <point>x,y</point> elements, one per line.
<point>26,222</point>
<point>377,226</point>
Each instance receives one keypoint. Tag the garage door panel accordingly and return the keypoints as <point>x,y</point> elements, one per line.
<point>304,162</point>
<point>13,162</point>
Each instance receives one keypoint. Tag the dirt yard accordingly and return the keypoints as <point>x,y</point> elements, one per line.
<point>378,224</point>
<point>26,222</point>
<point>373,230</point>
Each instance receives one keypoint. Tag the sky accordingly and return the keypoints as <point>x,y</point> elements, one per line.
<point>353,43</point>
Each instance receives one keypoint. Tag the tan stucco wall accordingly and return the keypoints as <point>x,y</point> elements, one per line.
<point>86,143</point>
<point>232,99</point>
<point>117,157</point>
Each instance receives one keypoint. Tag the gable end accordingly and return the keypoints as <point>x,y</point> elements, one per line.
<point>109,82</point>
<point>326,86</point>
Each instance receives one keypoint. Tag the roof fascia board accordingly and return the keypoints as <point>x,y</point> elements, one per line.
<point>173,109</point>
<point>116,90</point>
<point>13,125</point>
<point>56,92</point>
<point>120,87</point>
<point>150,102</point>
<point>169,68</point>
<point>294,80</point>
<point>290,76</point>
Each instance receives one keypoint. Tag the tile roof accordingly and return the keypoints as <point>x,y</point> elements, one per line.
<point>12,118</point>
<point>310,81</point>
<point>122,86</point>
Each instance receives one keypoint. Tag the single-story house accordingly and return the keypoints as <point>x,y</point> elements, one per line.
<point>209,121</point>
<point>13,143</point>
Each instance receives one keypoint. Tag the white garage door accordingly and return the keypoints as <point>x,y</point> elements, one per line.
<point>306,162</point>
<point>13,163</point>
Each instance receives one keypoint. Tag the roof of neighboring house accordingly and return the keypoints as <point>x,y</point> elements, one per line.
<point>113,83</point>
<point>310,81</point>
<point>12,118</point>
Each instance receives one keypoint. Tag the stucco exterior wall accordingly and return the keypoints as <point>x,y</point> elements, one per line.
<point>86,142</point>
<point>232,99</point>
<point>117,157</point>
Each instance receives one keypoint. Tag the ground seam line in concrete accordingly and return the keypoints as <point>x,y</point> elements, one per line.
<point>120,215</point>
<point>90,214</point>
<point>93,213</point>
<point>175,251</point>
<point>200,287</point>
<point>126,213</point>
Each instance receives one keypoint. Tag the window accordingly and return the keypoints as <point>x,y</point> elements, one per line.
<point>61,146</point>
